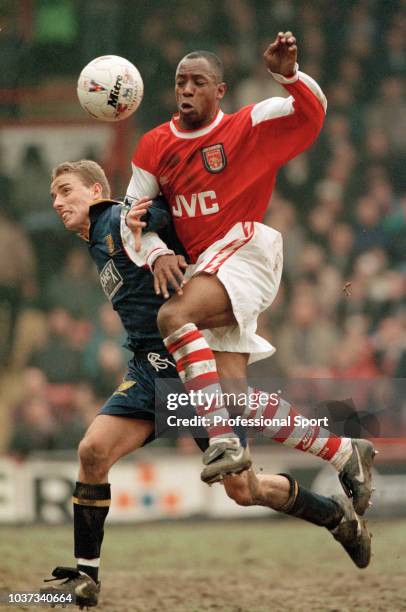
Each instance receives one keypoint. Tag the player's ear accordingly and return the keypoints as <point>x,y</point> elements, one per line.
<point>221,90</point>
<point>97,191</point>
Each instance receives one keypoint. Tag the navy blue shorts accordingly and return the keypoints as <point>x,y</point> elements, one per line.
<point>135,396</point>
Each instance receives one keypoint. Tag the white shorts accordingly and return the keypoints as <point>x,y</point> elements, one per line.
<point>248,261</point>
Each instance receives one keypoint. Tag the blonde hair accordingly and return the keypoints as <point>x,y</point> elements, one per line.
<point>89,172</point>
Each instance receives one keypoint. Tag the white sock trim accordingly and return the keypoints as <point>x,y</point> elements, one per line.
<point>178,333</point>
<point>235,441</point>
<point>89,562</point>
<point>342,455</point>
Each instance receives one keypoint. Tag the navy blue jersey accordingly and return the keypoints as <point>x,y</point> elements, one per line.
<point>131,291</point>
<point>129,287</point>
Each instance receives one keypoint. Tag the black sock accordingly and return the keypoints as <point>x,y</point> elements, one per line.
<point>311,507</point>
<point>91,504</point>
<point>93,572</point>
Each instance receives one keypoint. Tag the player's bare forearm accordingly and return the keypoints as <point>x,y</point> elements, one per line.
<point>281,55</point>
<point>167,270</point>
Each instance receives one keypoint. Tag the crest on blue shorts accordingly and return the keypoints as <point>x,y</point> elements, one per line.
<point>214,158</point>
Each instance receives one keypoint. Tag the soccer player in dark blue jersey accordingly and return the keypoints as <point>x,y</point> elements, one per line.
<point>81,195</point>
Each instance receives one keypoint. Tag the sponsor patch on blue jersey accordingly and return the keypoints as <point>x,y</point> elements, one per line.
<point>111,279</point>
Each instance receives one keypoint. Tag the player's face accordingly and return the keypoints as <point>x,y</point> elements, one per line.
<point>198,93</point>
<point>71,200</point>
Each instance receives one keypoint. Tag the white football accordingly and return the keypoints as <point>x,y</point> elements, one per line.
<point>110,88</point>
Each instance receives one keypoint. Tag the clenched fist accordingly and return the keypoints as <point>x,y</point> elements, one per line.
<point>281,55</point>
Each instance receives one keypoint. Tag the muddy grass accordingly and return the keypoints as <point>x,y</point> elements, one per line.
<point>251,566</point>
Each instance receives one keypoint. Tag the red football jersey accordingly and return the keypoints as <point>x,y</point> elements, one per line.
<point>224,173</point>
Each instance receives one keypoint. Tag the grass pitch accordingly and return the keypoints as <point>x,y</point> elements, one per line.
<point>241,566</point>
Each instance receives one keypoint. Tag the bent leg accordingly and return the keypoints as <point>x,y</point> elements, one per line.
<point>251,489</point>
<point>281,492</point>
<point>204,297</point>
<point>107,440</point>
<point>178,319</point>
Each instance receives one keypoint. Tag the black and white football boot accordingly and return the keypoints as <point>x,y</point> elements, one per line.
<point>356,475</point>
<point>224,457</point>
<point>84,590</point>
<point>352,533</point>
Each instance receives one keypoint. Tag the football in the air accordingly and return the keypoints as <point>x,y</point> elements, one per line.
<point>110,88</point>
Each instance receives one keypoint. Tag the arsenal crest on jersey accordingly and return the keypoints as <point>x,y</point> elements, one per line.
<point>214,158</point>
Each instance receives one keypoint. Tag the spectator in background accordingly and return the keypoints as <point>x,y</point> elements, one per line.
<point>17,280</point>
<point>388,111</point>
<point>31,192</point>
<point>58,358</point>
<point>34,385</point>
<point>390,345</point>
<point>394,51</point>
<point>31,415</point>
<point>340,247</point>
<point>76,286</point>
<point>31,197</point>
<point>108,328</point>
<point>354,357</point>
<point>34,429</point>
<point>312,260</point>
<point>306,342</point>
<point>395,231</point>
<point>111,368</point>
<point>320,223</point>
<point>85,403</point>
<point>369,232</point>
<point>42,425</point>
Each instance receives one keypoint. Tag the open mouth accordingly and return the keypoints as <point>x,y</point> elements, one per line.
<point>186,107</point>
<point>65,216</point>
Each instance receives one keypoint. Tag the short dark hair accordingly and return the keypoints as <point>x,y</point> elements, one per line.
<point>215,62</point>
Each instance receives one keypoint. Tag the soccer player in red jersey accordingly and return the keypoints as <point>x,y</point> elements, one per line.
<point>217,172</point>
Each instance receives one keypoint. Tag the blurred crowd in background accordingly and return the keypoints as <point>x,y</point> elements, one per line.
<point>341,206</point>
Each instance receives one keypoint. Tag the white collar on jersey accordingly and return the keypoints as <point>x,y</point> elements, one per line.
<point>196,133</point>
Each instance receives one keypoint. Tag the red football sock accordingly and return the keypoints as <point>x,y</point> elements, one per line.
<point>312,439</point>
<point>197,369</point>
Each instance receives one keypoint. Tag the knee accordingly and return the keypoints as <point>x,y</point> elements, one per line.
<point>93,457</point>
<point>170,318</point>
<point>239,493</point>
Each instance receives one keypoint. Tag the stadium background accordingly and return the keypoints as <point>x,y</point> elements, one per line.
<point>341,207</point>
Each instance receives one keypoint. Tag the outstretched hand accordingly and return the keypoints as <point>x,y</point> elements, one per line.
<point>281,55</point>
<point>133,219</point>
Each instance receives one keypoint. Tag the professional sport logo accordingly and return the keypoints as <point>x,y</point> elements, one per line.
<point>214,158</point>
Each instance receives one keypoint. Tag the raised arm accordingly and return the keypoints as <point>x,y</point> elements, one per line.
<point>292,123</point>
